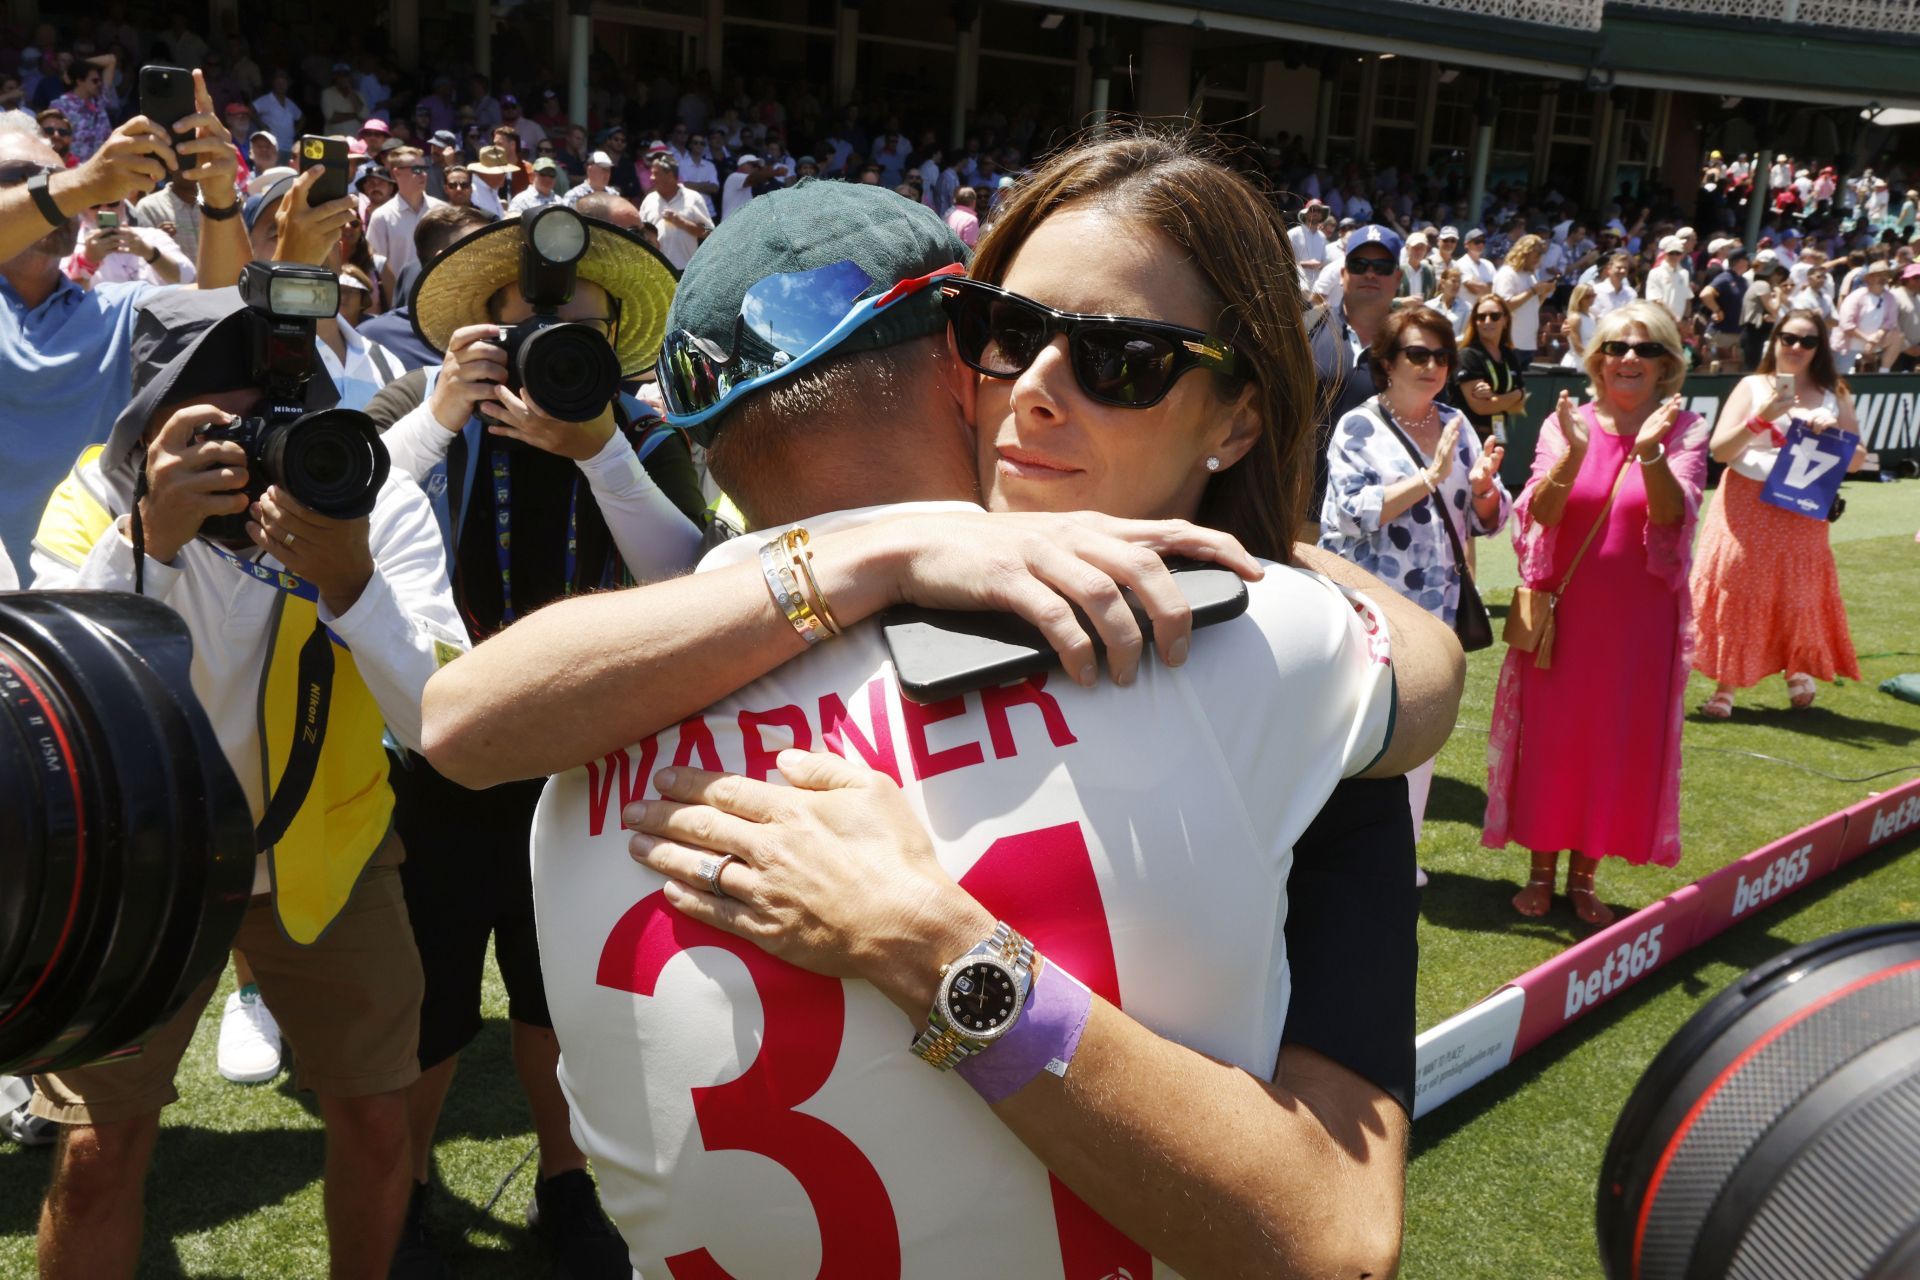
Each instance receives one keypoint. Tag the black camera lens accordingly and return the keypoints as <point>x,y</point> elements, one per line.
<point>332,460</point>
<point>567,369</point>
<point>126,843</point>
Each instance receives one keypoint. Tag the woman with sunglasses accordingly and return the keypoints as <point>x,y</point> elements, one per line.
<point>1400,465</point>
<point>1584,753</point>
<point>1766,592</point>
<point>1489,372</point>
<point>84,104</point>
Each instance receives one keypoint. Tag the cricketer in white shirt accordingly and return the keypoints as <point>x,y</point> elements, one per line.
<point>748,1118</point>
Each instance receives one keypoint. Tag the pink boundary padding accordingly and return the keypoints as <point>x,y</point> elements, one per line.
<point>1594,971</point>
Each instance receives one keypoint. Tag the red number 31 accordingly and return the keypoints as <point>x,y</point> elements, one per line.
<point>1042,882</point>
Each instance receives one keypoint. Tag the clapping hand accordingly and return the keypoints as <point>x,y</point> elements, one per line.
<point>1481,477</point>
<point>1655,428</point>
<point>1443,452</point>
<point>1572,425</point>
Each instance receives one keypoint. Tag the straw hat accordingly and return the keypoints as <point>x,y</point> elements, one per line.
<point>453,289</point>
<point>492,160</point>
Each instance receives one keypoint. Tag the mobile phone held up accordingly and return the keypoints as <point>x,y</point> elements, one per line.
<point>940,654</point>
<point>166,95</point>
<point>107,220</point>
<point>331,154</point>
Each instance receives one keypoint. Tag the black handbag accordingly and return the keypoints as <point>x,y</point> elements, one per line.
<point>1470,621</point>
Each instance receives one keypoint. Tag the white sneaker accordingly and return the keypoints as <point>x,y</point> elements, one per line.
<point>249,1041</point>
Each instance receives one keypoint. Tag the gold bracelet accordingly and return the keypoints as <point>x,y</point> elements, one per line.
<point>788,597</point>
<point>795,542</point>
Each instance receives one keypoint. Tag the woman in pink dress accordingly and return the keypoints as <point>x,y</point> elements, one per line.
<point>1766,594</point>
<point>1585,755</point>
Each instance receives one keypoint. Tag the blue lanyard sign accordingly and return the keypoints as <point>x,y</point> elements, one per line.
<point>1806,478</point>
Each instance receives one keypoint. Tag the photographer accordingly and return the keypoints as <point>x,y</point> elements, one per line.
<point>63,343</point>
<point>312,635</point>
<point>534,508</point>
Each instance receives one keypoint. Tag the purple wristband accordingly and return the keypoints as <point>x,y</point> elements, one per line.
<point>1044,1039</point>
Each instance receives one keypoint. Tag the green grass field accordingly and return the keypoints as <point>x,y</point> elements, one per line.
<point>1502,1180</point>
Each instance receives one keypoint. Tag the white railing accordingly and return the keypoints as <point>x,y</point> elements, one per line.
<point>1581,15</point>
<point>1894,16</point>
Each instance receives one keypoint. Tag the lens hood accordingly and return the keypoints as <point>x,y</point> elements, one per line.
<point>125,839</point>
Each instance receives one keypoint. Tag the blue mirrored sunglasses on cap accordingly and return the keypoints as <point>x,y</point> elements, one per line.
<point>786,322</point>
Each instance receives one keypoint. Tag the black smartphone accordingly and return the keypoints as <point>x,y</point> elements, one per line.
<point>314,149</point>
<point>941,653</point>
<point>166,95</point>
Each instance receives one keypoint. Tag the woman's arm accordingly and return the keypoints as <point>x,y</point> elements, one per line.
<point>1730,434</point>
<point>588,675</point>
<point>1552,488</point>
<point>1849,421</point>
<point>1666,500</point>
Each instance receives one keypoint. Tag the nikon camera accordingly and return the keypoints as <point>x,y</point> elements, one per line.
<point>330,459</point>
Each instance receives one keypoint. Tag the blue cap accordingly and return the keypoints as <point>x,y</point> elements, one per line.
<point>1386,237</point>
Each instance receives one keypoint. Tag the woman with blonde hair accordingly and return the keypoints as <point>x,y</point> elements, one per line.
<point>1585,748</point>
<point>1578,327</point>
<point>1519,285</point>
<point>1766,593</point>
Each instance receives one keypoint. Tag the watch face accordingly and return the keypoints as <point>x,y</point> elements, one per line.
<point>981,998</point>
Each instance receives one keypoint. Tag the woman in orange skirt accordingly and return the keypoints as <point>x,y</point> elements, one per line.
<point>1766,595</point>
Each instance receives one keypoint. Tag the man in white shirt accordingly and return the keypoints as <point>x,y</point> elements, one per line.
<point>1611,287</point>
<point>174,209</point>
<point>1476,269</point>
<point>390,228</point>
<point>543,192</point>
<point>748,173</point>
<point>342,106</point>
<point>676,212</point>
<point>1062,824</point>
<point>697,171</point>
<point>1668,282</point>
<point>279,114</point>
<point>1309,240</point>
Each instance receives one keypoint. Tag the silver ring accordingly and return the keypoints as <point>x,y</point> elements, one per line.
<point>289,538</point>
<point>710,869</point>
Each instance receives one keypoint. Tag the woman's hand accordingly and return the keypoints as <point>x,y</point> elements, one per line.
<point>1042,566</point>
<point>1654,430</point>
<point>1572,425</point>
<point>1443,452</point>
<point>517,418</point>
<point>1484,471</point>
<point>835,874</point>
<point>1778,402</point>
<point>308,232</point>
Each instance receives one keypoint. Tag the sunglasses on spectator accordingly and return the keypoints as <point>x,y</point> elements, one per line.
<point>1120,361</point>
<point>1371,265</point>
<point>1645,350</point>
<point>406,168</point>
<point>56,131</point>
<point>1488,317</point>
<point>459,186</point>
<point>1421,357</point>
<point>12,175</point>
<point>1804,341</point>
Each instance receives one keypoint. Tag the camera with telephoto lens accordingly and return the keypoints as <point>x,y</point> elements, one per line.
<point>565,367</point>
<point>126,843</point>
<point>332,460</point>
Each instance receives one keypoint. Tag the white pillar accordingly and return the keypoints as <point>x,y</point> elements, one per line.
<point>716,34</point>
<point>1477,188</point>
<point>846,59</point>
<point>579,48</point>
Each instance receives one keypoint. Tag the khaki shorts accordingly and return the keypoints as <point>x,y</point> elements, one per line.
<point>348,1006</point>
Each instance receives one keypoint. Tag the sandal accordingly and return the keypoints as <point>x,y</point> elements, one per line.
<point>1586,902</point>
<point>1801,690</point>
<point>1719,706</point>
<point>1536,899</point>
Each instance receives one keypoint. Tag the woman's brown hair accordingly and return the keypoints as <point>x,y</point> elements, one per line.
<point>1387,343</point>
<point>1232,232</point>
<point>1825,374</point>
<point>1506,330</point>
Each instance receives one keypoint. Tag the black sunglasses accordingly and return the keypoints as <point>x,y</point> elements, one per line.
<point>1119,361</point>
<point>12,175</point>
<point>1645,350</point>
<point>1488,317</point>
<point>459,186</point>
<point>56,131</point>
<point>1421,357</point>
<point>1805,341</point>
<point>1371,265</point>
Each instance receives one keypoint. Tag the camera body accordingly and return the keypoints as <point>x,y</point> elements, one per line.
<point>566,367</point>
<point>332,460</point>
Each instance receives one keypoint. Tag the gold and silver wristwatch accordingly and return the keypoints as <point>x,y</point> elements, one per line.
<point>980,998</point>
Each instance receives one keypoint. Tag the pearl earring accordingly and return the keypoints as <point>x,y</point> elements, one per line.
<point>1213,463</point>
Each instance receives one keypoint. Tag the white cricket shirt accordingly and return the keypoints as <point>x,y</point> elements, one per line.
<point>742,1113</point>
